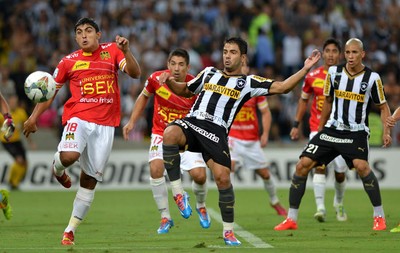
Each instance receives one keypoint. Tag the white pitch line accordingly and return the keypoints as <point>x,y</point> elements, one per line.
<point>246,235</point>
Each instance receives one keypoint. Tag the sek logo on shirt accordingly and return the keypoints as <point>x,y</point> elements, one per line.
<point>245,114</point>
<point>169,115</point>
<point>103,84</point>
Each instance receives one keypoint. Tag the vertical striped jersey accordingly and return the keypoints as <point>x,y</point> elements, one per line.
<point>221,96</point>
<point>352,97</point>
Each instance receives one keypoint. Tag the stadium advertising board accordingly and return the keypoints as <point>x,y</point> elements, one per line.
<point>129,170</point>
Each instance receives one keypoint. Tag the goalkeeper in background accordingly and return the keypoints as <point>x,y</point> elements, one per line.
<point>14,146</point>
<point>8,129</point>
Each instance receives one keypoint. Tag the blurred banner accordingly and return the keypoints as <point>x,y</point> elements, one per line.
<point>130,170</point>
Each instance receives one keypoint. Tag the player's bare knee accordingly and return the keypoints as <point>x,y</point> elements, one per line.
<point>263,173</point>
<point>340,177</point>
<point>304,166</point>
<point>198,175</point>
<point>157,170</point>
<point>200,179</point>
<point>69,158</point>
<point>87,182</point>
<point>320,170</point>
<point>361,167</point>
<point>156,174</point>
<point>223,182</point>
<point>170,135</point>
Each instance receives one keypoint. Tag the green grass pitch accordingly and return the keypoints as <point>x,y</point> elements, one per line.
<point>126,221</point>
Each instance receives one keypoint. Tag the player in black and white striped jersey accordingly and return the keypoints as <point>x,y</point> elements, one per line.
<point>205,129</point>
<point>349,90</point>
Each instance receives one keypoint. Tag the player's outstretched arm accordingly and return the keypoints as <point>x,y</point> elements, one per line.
<point>391,120</point>
<point>132,67</point>
<point>326,112</point>
<point>137,111</point>
<point>289,83</point>
<point>4,108</point>
<point>30,123</point>
<point>179,88</point>
<point>385,114</point>
<point>266,121</point>
<point>301,110</point>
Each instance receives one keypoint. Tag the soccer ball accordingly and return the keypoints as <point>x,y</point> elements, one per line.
<point>40,86</point>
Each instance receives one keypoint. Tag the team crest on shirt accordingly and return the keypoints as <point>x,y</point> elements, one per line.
<point>105,55</point>
<point>240,83</point>
<point>364,86</point>
<point>69,136</point>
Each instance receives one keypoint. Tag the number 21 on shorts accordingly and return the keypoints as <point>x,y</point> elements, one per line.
<point>311,148</point>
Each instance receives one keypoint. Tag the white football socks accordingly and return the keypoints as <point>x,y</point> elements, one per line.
<point>319,181</point>
<point>160,195</point>
<point>83,200</point>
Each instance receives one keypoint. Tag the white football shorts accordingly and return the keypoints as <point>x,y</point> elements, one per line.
<point>248,153</point>
<point>94,143</point>
<point>189,160</point>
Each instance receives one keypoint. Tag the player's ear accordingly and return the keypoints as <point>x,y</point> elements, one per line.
<point>244,59</point>
<point>98,35</point>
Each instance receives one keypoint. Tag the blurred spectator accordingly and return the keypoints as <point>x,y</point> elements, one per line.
<point>7,85</point>
<point>127,103</point>
<point>292,52</point>
<point>261,21</point>
<point>153,58</point>
<point>376,58</point>
<point>196,64</point>
<point>264,51</point>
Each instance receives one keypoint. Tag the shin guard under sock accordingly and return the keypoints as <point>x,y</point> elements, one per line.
<point>226,204</point>
<point>172,161</point>
<point>297,189</point>
<point>371,187</point>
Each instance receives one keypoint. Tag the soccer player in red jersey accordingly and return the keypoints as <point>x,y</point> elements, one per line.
<point>313,87</point>
<point>167,107</point>
<point>90,114</point>
<point>246,145</point>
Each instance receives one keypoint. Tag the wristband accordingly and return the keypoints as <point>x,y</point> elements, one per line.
<point>7,115</point>
<point>296,124</point>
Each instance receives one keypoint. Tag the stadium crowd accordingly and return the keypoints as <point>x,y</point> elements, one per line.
<point>36,34</point>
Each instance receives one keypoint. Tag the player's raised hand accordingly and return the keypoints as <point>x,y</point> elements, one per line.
<point>122,43</point>
<point>390,121</point>
<point>164,77</point>
<point>29,127</point>
<point>312,59</point>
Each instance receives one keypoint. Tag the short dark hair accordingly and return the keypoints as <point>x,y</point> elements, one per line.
<point>334,42</point>
<point>88,21</point>
<point>180,52</point>
<point>242,44</point>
